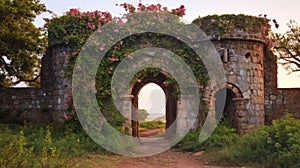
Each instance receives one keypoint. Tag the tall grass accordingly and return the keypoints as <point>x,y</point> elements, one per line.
<point>42,146</point>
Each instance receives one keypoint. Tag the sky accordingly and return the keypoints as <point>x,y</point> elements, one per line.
<point>280,10</point>
<point>152,98</point>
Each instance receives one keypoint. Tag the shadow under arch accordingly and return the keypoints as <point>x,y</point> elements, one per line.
<point>171,100</point>
<point>229,110</point>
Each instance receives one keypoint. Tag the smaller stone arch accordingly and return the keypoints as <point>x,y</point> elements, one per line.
<point>229,108</point>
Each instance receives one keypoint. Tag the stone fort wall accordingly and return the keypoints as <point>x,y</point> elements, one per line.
<point>278,101</point>
<point>251,75</point>
<point>44,104</point>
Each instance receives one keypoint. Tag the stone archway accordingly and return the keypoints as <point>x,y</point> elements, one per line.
<point>171,101</point>
<point>231,108</point>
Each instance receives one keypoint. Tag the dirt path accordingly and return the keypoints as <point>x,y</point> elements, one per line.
<point>151,132</point>
<point>169,159</point>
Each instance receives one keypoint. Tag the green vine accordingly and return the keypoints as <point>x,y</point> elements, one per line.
<point>223,26</point>
<point>75,27</point>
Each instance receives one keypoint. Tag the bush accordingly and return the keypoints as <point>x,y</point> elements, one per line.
<point>221,137</point>
<point>277,145</point>
<point>16,152</point>
<point>42,146</point>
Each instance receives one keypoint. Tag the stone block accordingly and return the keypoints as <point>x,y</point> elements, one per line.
<point>242,113</point>
<point>252,120</point>
<point>278,101</point>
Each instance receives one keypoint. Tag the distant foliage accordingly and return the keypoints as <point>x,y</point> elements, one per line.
<point>152,124</point>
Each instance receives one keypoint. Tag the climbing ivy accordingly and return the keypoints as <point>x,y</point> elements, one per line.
<point>224,26</point>
<point>75,27</point>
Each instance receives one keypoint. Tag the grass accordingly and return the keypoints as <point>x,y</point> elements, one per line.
<point>42,146</point>
<point>277,145</point>
<point>151,124</point>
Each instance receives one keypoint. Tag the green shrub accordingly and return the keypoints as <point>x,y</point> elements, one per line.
<point>42,146</point>
<point>152,124</point>
<point>221,137</point>
<point>17,153</point>
<point>277,145</point>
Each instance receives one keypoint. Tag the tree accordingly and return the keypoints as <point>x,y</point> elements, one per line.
<point>287,47</point>
<point>142,114</point>
<point>21,43</point>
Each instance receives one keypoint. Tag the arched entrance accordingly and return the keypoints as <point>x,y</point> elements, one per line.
<point>170,101</point>
<point>151,110</point>
<point>230,110</point>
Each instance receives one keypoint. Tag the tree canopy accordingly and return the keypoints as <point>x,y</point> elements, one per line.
<point>21,42</point>
<point>287,47</point>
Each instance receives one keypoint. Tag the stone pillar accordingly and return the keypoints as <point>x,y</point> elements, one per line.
<point>134,117</point>
<point>242,114</point>
<point>126,109</point>
<point>61,84</point>
<point>185,117</point>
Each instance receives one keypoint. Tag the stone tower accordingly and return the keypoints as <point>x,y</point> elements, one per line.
<point>241,50</point>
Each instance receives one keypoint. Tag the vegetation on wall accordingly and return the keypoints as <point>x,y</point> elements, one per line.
<point>229,25</point>
<point>73,29</point>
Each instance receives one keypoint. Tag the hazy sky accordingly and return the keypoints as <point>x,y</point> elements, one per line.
<point>152,98</point>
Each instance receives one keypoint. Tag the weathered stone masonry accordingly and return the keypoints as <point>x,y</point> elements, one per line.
<point>278,102</point>
<point>44,104</point>
<point>252,95</point>
<point>243,64</point>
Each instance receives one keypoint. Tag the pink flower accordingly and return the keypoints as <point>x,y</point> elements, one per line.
<point>129,56</point>
<point>113,59</point>
<point>66,117</point>
<point>116,30</point>
<point>213,20</point>
<point>74,11</point>
<point>200,86</point>
<point>74,53</point>
<point>68,99</point>
<point>67,58</point>
<point>102,47</point>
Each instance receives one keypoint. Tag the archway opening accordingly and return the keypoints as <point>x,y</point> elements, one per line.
<point>229,116</point>
<point>151,110</point>
<point>170,102</point>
